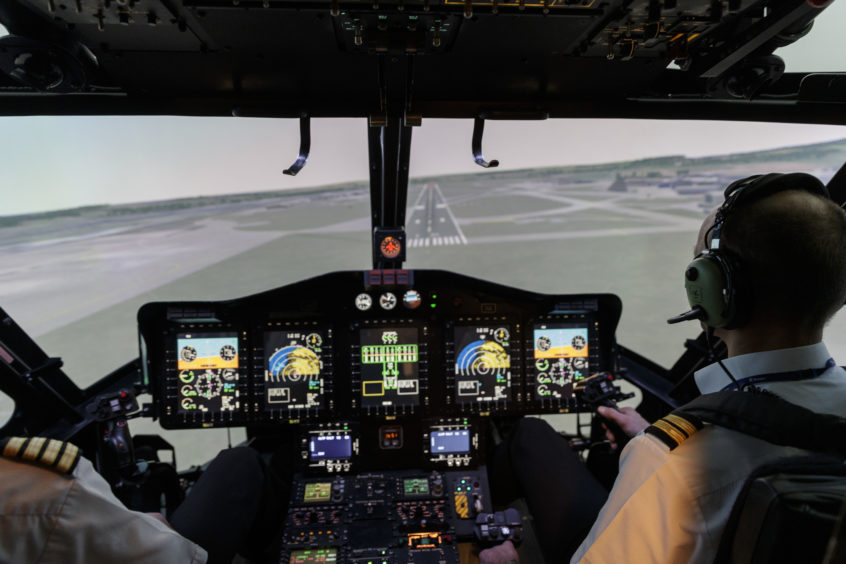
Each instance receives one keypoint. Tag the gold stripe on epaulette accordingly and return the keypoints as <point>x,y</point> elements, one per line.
<point>686,426</point>
<point>671,431</point>
<point>34,447</point>
<point>51,452</point>
<point>69,459</point>
<point>13,446</point>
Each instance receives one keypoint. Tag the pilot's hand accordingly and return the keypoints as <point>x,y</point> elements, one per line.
<point>627,419</point>
<point>500,554</point>
<point>159,517</point>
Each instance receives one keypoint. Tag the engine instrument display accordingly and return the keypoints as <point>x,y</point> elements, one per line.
<point>561,358</point>
<point>208,372</point>
<point>482,363</point>
<point>295,368</point>
<point>390,371</point>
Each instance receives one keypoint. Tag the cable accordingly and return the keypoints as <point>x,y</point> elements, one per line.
<point>709,331</point>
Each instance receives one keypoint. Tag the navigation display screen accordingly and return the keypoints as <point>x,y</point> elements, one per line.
<point>333,447</point>
<point>293,369</point>
<point>560,359</point>
<point>390,367</point>
<point>450,442</point>
<point>208,372</point>
<point>482,363</point>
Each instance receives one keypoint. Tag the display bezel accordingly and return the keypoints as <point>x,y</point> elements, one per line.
<point>569,402</point>
<point>266,411</point>
<point>172,383</point>
<point>453,351</point>
<point>359,384</point>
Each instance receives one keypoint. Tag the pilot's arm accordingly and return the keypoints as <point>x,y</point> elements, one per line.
<point>651,514</point>
<point>63,517</point>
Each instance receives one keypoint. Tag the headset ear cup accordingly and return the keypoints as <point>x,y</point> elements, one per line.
<point>707,285</point>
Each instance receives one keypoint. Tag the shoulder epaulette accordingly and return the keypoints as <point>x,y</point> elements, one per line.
<point>675,428</point>
<point>55,455</point>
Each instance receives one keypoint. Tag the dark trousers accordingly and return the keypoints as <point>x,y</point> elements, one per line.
<point>536,463</point>
<point>236,506</point>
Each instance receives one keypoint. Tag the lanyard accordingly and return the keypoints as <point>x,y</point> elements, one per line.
<point>792,375</point>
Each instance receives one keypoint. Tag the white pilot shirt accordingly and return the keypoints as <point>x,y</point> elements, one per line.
<point>673,506</point>
<point>48,517</point>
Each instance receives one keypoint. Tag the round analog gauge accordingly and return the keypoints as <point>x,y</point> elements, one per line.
<point>187,403</point>
<point>579,342</point>
<point>388,301</point>
<point>313,341</point>
<point>412,299</point>
<point>188,354</point>
<point>229,374</point>
<point>501,335</point>
<point>188,391</point>
<point>544,343</point>
<point>187,376</point>
<point>390,247</point>
<point>363,302</point>
<point>208,385</point>
<point>228,352</point>
<point>542,364</point>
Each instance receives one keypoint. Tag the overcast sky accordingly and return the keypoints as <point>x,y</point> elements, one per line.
<point>60,162</point>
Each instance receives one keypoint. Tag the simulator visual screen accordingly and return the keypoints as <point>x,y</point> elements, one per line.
<point>208,371</point>
<point>482,363</point>
<point>560,359</point>
<point>294,369</point>
<point>390,367</point>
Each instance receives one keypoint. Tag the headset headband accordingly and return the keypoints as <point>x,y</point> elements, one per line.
<point>760,186</point>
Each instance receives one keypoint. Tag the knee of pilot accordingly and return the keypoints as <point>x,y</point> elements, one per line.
<point>526,434</point>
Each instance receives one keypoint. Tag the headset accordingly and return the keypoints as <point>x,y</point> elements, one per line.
<point>715,289</point>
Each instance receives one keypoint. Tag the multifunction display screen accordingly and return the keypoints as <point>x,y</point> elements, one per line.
<point>208,371</point>
<point>333,447</point>
<point>294,369</point>
<point>560,359</point>
<point>449,442</point>
<point>390,367</point>
<point>482,363</point>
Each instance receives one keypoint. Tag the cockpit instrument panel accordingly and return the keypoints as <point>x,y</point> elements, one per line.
<point>309,353</point>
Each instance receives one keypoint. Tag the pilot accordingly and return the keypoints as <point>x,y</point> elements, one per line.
<point>784,243</point>
<point>56,508</point>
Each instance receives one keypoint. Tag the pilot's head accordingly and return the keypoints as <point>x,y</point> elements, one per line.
<point>787,259</point>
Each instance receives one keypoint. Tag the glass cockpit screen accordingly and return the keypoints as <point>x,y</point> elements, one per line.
<point>482,364</point>
<point>560,359</point>
<point>208,371</point>
<point>293,371</point>
<point>390,367</point>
